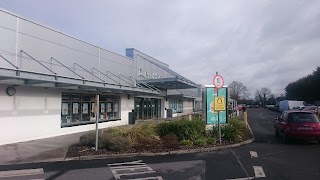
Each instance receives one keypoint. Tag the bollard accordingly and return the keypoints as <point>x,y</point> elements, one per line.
<point>245,118</point>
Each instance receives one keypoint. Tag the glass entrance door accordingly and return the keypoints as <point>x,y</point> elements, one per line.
<point>147,108</point>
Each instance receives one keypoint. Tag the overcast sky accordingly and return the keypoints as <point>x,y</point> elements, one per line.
<point>262,43</point>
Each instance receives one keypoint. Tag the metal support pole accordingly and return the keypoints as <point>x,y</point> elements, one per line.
<point>96,109</point>
<point>219,120</point>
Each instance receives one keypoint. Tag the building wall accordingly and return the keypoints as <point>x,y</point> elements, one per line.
<point>42,43</point>
<point>187,108</point>
<point>39,108</point>
<point>35,112</point>
<point>127,105</point>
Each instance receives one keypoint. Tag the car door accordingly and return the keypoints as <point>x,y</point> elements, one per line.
<point>283,122</point>
<point>279,123</point>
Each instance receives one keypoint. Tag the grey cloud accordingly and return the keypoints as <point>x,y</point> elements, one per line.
<point>260,43</point>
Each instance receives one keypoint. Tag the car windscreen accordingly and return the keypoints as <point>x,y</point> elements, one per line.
<point>302,117</point>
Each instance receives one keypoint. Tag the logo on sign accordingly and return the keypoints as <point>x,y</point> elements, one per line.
<point>219,103</point>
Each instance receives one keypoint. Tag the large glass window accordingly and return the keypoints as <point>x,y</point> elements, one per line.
<point>79,108</point>
<point>176,105</point>
<point>147,108</point>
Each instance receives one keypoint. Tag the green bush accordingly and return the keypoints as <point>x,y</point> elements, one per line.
<point>115,141</point>
<point>233,131</point>
<point>88,139</point>
<point>211,140</point>
<point>237,123</point>
<point>170,141</point>
<point>186,142</point>
<point>200,142</point>
<point>166,128</point>
<point>144,134</point>
<point>182,129</point>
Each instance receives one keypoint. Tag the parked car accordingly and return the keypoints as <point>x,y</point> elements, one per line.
<point>311,108</point>
<point>250,106</point>
<point>297,124</point>
<point>289,104</point>
<point>299,107</point>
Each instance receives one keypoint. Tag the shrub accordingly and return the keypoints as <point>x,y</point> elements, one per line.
<point>186,142</point>
<point>166,128</point>
<point>182,129</point>
<point>232,133</point>
<point>115,142</point>
<point>88,139</point>
<point>211,140</point>
<point>170,140</point>
<point>200,142</point>
<point>144,134</point>
<point>237,123</point>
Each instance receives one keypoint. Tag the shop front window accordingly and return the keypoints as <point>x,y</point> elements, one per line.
<point>80,108</point>
<point>176,105</point>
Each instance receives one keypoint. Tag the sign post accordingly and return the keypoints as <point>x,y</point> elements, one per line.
<point>219,104</point>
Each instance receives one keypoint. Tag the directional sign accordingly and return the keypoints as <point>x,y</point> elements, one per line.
<point>218,81</point>
<point>219,103</point>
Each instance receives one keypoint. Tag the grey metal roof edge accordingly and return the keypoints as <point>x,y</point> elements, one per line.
<point>83,84</point>
<point>148,56</point>
<point>60,32</point>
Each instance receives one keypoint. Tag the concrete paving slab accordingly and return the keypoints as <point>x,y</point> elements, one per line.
<point>38,150</point>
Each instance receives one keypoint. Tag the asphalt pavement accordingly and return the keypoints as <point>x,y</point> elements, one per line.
<point>266,158</point>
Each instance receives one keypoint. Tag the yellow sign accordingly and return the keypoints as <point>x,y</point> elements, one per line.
<point>219,103</point>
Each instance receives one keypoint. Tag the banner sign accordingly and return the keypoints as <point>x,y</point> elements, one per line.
<point>211,112</point>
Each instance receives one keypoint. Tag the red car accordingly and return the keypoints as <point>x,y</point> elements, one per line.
<point>297,124</point>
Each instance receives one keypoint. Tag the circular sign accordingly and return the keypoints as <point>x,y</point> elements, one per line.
<point>218,81</point>
<point>11,91</point>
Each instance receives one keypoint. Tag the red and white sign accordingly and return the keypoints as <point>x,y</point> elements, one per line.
<point>218,81</point>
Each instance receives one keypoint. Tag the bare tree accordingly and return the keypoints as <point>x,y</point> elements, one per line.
<point>238,91</point>
<point>263,94</point>
<point>258,97</point>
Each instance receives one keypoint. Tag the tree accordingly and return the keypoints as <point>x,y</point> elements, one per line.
<point>262,95</point>
<point>306,88</point>
<point>238,91</point>
<point>271,99</point>
<point>258,97</point>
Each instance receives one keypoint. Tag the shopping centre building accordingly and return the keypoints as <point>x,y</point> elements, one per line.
<point>53,84</point>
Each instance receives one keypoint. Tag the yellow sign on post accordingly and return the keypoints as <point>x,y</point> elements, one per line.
<point>219,103</point>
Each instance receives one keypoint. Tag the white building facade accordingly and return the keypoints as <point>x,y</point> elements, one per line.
<point>50,81</point>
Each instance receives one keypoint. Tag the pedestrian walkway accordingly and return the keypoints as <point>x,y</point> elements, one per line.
<point>41,150</point>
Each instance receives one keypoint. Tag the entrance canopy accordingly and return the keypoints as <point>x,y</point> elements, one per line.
<point>182,93</point>
<point>171,83</point>
<point>17,76</point>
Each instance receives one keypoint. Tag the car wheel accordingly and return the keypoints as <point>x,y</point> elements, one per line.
<point>276,133</point>
<point>284,138</point>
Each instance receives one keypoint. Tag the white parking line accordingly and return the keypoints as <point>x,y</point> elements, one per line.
<point>148,178</point>
<point>132,168</point>
<point>253,154</point>
<point>24,172</point>
<point>247,178</point>
<point>258,171</point>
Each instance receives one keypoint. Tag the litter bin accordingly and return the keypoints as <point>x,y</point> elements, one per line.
<point>169,113</point>
<point>132,119</point>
